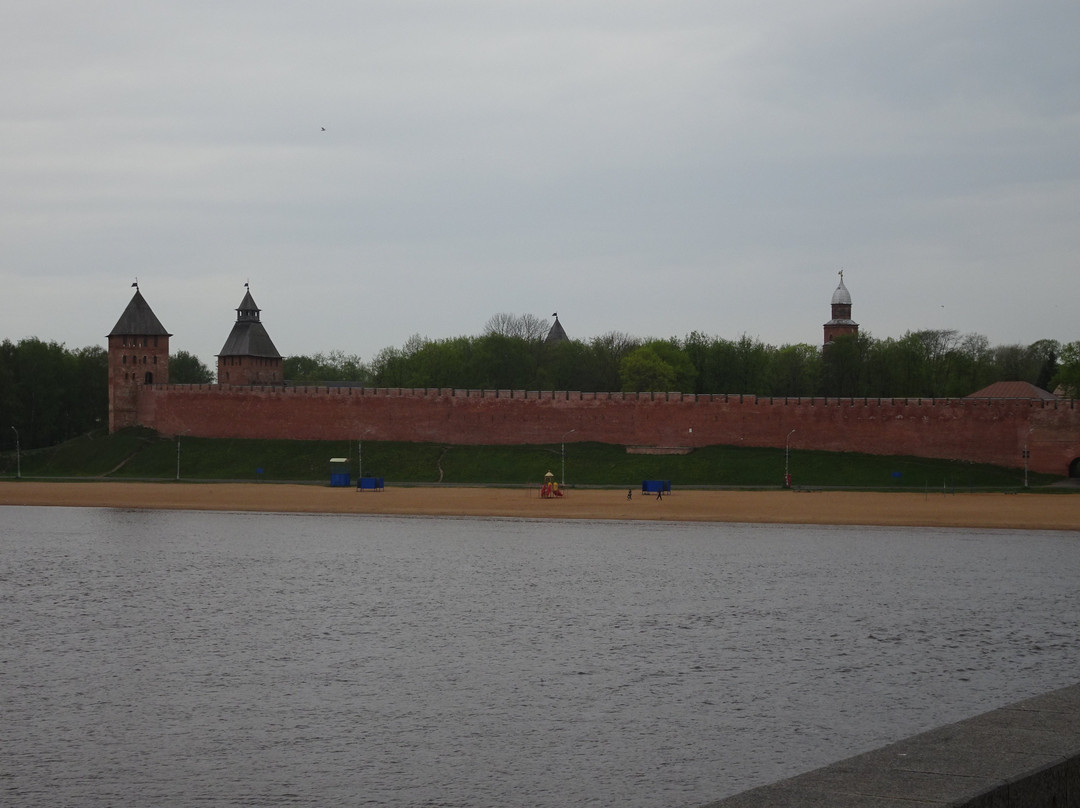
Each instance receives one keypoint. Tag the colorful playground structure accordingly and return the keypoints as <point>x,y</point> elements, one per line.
<point>550,488</point>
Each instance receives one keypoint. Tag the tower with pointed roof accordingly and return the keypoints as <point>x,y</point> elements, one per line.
<point>556,333</point>
<point>249,356</point>
<point>841,322</point>
<point>138,356</point>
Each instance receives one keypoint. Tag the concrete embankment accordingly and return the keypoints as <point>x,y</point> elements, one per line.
<point>1026,755</point>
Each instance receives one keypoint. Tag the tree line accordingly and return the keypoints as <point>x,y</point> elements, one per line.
<point>49,393</point>
<point>512,354</point>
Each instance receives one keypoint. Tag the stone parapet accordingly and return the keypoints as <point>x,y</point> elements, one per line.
<point>1026,755</point>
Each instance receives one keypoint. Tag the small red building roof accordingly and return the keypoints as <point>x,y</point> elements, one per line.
<point>1013,390</point>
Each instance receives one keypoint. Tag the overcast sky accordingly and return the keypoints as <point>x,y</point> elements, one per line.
<point>654,168</point>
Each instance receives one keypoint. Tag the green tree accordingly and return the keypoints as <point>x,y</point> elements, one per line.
<point>505,363</point>
<point>727,366</point>
<point>443,363</point>
<point>1046,352</point>
<point>844,365</point>
<point>568,365</point>
<point>336,366</point>
<point>186,368</point>
<point>750,368</point>
<point>644,370</point>
<point>672,354</point>
<point>528,327</point>
<point>50,394</point>
<point>1068,370</point>
<point>389,367</point>
<point>796,370</point>
<point>90,389</point>
<point>606,353</point>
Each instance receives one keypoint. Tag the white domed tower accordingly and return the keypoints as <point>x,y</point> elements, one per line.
<point>841,322</point>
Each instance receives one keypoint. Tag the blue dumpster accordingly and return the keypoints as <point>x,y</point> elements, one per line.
<point>655,486</point>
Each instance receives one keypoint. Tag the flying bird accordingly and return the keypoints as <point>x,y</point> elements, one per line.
<point>324,128</point>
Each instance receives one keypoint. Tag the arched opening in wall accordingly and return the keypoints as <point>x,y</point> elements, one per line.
<point>149,378</point>
<point>1074,468</point>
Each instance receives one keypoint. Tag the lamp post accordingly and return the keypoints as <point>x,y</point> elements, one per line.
<point>18,458</point>
<point>1027,454</point>
<point>562,452</point>
<point>179,435</point>
<point>787,459</point>
<point>361,431</point>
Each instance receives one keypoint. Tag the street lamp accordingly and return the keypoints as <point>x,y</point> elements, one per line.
<point>178,436</point>
<point>563,453</point>
<point>787,459</point>
<point>1027,454</point>
<point>360,452</point>
<point>18,458</point>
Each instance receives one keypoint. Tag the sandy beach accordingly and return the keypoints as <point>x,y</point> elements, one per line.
<point>1026,511</point>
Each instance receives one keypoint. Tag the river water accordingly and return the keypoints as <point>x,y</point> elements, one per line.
<point>190,658</point>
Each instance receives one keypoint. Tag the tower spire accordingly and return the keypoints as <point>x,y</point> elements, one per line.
<point>841,322</point>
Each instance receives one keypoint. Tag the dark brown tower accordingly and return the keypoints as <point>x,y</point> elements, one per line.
<point>138,355</point>
<point>841,322</point>
<point>557,333</point>
<point>249,356</point>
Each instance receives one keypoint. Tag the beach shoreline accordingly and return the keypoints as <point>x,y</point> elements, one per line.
<point>1029,511</point>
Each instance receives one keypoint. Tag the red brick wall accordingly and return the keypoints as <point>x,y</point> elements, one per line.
<point>968,429</point>
<point>247,370</point>
<point>131,358</point>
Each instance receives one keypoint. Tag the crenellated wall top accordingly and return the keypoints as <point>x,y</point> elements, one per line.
<point>664,397</point>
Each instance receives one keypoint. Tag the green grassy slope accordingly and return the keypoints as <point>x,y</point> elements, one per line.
<point>141,454</point>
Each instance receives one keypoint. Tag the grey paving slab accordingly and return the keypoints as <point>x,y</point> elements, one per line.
<point>782,796</point>
<point>1026,755</point>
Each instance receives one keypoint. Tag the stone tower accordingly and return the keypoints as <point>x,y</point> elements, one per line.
<point>138,355</point>
<point>841,322</point>
<point>557,333</point>
<point>249,356</point>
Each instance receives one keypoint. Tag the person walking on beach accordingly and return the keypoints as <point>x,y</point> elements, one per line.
<point>629,493</point>
<point>660,492</point>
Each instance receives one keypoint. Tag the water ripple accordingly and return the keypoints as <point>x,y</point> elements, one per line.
<point>175,659</point>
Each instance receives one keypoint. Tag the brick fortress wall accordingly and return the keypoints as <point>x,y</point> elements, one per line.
<point>977,430</point>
